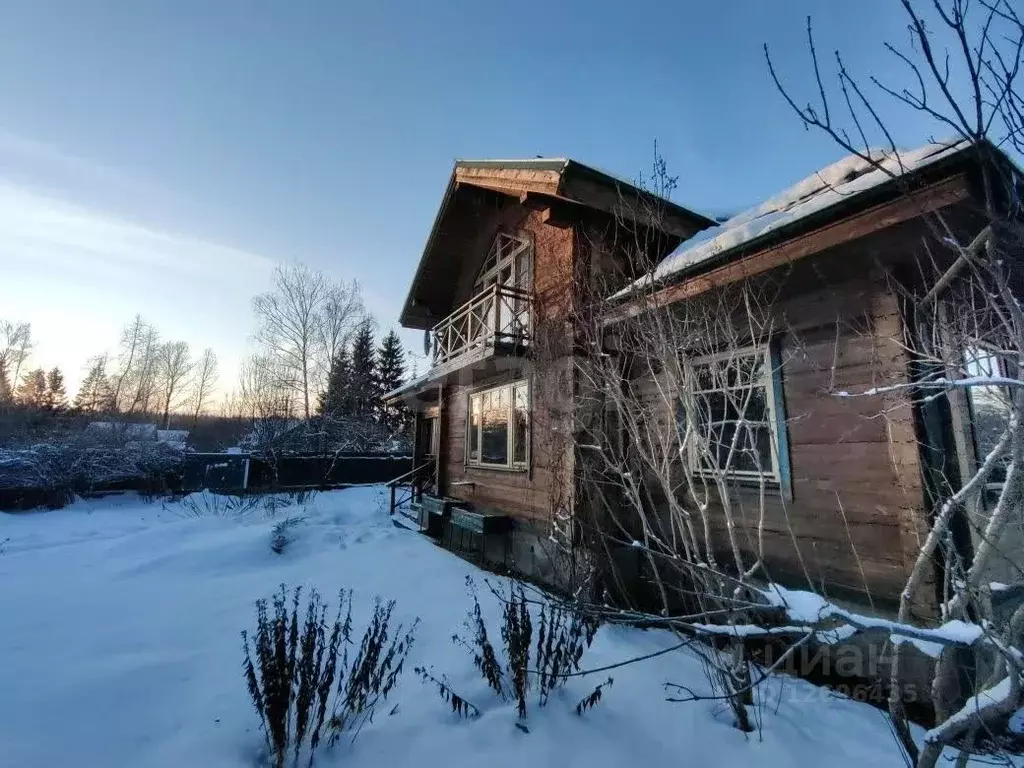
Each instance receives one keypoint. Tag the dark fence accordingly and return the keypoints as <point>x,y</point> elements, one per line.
<point>216,471</point>
<point>243,472</point>
<point>230,473</point>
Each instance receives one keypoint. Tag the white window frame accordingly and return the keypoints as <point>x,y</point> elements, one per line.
<point>435,435</point>
<point>767,381</point>
<point>983,361</point>
<point>511,463</point>
<point>507,249</point>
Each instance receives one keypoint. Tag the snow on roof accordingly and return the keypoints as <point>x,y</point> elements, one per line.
<point>410,386</point>
<point>834,184</point>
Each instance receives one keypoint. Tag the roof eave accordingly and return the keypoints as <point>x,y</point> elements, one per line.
<point>583,169</point>
<point>821,218</point>
<point>406,318</point>
<point>536,164</point>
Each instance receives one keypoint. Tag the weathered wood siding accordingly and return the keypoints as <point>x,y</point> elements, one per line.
<point>852,520</point>
<point>537,493</point>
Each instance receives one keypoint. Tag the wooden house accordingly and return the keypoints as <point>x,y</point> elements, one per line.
<point>500,276</point>
<point>847,482</point>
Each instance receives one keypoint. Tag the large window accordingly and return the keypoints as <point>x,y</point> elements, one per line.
<point>734,411</point>
<point>499,426</point>
<point>508,265</point>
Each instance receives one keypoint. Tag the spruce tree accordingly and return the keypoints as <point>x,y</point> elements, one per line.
<point>335,401</point>
<point>363,380</point>
<point>95,394</point>
<point>32,390</point>
<point>56,394</point>
<point>390,376</point>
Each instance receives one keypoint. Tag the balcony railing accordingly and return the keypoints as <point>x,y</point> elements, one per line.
<point>497,316</point>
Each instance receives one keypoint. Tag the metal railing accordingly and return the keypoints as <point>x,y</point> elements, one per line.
<point>499,314</point>
<point>407,490</point>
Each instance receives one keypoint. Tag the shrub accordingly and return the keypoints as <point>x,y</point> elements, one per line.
<point>207,504</point>
<point>281,535</point>
<point>591,699</point>
<point>303,496</point>
<point>563,635</point>
<point>299,676</point>
<point>459,705</point>
<point>85,460</point>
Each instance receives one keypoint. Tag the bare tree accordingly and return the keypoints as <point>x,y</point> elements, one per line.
<point>143,377</point>
<point>671,412</point>
<point>205,382</point>
<point>301,321</point>
<point>174,367</point>
<point>966,329</point>
<point>654,378</point>
<point>15,348</point>
<point>134,383</point>
<point>261,393</point>
<point>131,338</point>
<point>342,312</point>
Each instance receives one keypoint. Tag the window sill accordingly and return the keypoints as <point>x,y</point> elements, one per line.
<point>496,468</point>
<point>745,480</point>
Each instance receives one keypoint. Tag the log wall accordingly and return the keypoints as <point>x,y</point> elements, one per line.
<point>851,518</point>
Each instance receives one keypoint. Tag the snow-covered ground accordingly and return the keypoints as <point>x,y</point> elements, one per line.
<point>119,646</point>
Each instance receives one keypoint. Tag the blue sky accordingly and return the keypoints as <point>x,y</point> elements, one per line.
<point>160,157</point>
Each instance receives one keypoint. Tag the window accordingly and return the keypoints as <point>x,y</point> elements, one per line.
<point>429,435</point>
<point>733,405</point>
<point>508,263</point>
<point>499,426</point>
<point>990,411</point>
<point>509,266</point>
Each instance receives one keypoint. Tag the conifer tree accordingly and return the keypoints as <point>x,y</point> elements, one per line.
<point>363,379</point>
<point>56,394</point>
<point>390,376</point>
<point>335,401</point>
<point>95,394</point>
<point>32,390</point>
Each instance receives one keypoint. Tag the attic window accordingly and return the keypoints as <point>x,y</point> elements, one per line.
<point>508,262</point>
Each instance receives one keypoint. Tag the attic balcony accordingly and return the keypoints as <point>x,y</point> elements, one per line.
<point>498,320</point>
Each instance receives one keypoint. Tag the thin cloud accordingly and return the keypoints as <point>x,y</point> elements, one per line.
<point>44,159</point>
<point>79,274</point>
<point>44,229</point>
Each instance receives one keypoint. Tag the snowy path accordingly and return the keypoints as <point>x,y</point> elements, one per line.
<point>119,646</point>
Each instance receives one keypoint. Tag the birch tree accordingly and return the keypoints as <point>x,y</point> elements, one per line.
<point>133,385</point>
<point>143,394</point>
<point>174,368</point>
<point>301,322</point>
<point>205,382</point>
<point>15,348</point>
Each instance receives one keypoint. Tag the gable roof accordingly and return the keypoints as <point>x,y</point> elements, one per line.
<point>559,181</point>
<point>824,195</point>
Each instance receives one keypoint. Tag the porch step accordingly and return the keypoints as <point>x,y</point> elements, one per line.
<point>405,520</point>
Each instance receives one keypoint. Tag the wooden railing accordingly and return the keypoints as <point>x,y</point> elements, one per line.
<point>407,490</point>
<point>499,314</point>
